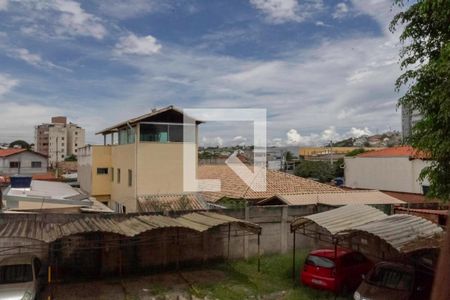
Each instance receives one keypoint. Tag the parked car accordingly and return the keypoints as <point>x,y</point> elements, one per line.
<point>396,281</point>
<point>19,277</point>
<point>339,272</point>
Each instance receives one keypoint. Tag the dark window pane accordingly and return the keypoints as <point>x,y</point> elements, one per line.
<point>318,261</point>
<point>36,164</point>
<point>16,274</point>
<point>102,171</point>
<point>154,133</point>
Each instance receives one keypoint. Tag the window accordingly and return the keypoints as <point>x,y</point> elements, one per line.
<point>76,145</point>
<point>118,175</point>
<point>62,139</point>
<point>16,273</point>
<point>37,267</point>
<point>126,136</point>
<point>112,174</point>
<point>318,261</point>
<point>76,132</point>
<point>14,164</point>
<point>36,164</point>
<point>130,178</point>
<point>164,133</point>
<point>102,171</point>
<point>62,156</point>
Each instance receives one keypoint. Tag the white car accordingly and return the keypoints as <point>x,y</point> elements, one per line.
<point>19,277</point>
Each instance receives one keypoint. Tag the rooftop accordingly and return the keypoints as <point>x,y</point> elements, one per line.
<point>232,186</point>
<point>402,151</point>
<point>9,152</point>
<point>171,114</point>
<point>172,202</point>
<point>336,198</point>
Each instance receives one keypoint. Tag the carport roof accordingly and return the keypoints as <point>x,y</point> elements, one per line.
<point>405,233</point>
<point>342,218</point>
<point>128,226</point>
<point>402,232</point>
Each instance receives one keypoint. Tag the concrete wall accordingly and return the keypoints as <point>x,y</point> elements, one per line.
<point>160,168</point>
<point>399,174</point>
<point>90,158</point>
<point>123,158</point>
<point>25,159</point>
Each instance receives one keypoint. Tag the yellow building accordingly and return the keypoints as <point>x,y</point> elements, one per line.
<point>144,157</point>
<point>310,152</point>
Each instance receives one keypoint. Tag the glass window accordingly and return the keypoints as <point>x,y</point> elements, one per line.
<point>318,261</point>
<point>36,164</point>
<point>16,274</point>
<point>391,278</point>
<point>154,133</point>
<point>123,137</point>
<point>14,164</point>
<point>166,133</point>
<point>130,178</point>
<point>112,174</point>
<point>118,175</point>
<point>131,135</point>
<point>102,171</point>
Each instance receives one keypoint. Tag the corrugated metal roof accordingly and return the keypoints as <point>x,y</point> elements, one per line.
<point>338,198</point>
<point>172,202</point>
<point>401,231</point>
<point>129,227</point>
<point>342,218</point>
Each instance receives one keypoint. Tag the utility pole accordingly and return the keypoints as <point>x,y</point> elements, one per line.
<point>331,152</point>
<point>56,163</point>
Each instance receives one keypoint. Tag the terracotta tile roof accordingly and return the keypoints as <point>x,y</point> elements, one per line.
<point>232,185</point>
<point>411,198</point>
<point>402,151</point>
<point>171,202</point>
<point>8,152</point>
<point>437,212</point>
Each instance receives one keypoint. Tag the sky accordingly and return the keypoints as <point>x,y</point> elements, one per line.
<point>323,69</point>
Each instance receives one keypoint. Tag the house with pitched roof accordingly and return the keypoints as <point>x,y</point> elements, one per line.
<point>395,169</point>
<point>22,161</point>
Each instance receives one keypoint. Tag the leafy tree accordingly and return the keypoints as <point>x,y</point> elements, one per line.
<point>71,158</point>
<point>425,59</point>
<point>20,143</point>
<point>288,156</point>
<point>321,170</point>
<point>338,168</point>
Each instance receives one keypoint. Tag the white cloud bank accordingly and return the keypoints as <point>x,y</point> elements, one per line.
<point>7,83</point>
<point>280,11</point>
<point>3,5</point>
<point>133,44</point>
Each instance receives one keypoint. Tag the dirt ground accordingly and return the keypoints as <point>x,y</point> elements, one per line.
<point>161,286</point>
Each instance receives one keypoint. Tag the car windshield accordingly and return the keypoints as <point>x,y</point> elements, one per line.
<point>318,261</point>
<point>15,274</point>
<point>391,278</point>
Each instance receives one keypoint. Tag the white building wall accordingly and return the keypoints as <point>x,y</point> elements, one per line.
<point>399,174</point>
<point>57,144</point>
<point>25,159</point>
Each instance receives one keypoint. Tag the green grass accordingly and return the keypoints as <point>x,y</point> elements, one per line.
<point>244,282</point>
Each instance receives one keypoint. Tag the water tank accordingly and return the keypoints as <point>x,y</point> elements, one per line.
<point>20,181</point>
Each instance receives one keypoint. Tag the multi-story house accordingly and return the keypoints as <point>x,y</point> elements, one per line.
<point>141,156</point>
<point>59,139</point>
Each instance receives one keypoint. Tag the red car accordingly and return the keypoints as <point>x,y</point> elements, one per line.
<point>339,274</point>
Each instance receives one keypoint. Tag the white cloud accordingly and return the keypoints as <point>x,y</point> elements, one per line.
<point>133,44</point>
<point>240,140</point>
<point>76,21</point>
<point>280,11</point>
<point>30,58</point>
<point>212,142</point>
<point>357,132</point>
<point>3,5</point>
<point>6,84</point>
<point>124,10</point>
<point>341,11</point>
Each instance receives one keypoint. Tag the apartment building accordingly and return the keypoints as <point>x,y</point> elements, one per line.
<point>58,139</point>
<point>140,156</point>
<point>409,120</point>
